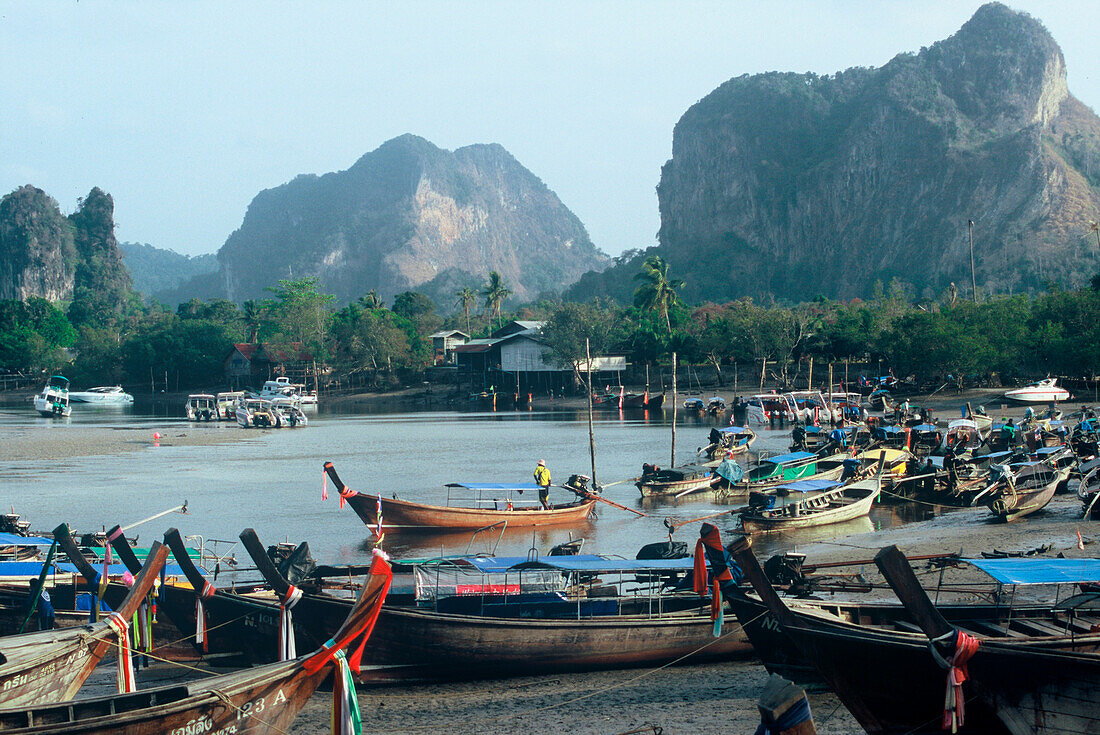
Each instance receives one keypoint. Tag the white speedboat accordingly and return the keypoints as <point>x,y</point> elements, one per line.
<point>255,413</point>
<point>53,401</point>
<point>227,404</point>
<point>289,412</point>
<point>104,395</point>
<point>1045,391</point>
<point>201,407</point>
<point>281,387</point>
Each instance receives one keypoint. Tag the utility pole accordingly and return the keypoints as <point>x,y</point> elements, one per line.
<point>973,278</point>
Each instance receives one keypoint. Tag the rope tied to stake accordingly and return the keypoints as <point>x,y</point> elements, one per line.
<point>954,709</point>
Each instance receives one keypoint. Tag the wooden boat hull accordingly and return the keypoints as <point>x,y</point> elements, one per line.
<point>439,645</point>
<point>253,701</point>
<point>779,654</point>
<point>675,487</point>
<point>856,507</point>
<point>406,515</point>
<point>1024,503</point>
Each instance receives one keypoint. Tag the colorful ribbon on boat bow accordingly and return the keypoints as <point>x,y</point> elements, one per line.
<point>954,709</point>
<point>346,719</point>
<point>287,649</point>
<point>709,548</point>
<point>331,646</point>
<point>125,661</point>
<point>207,591</point>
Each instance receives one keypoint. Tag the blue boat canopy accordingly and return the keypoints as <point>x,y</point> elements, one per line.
<point>925,427</point>
<point>814,430</point>
<point>578,563</point>
<point>808,486</point>
<point>792,457</point>
<point>732,430</point>
<point>494,485</point>
<point>11,539</point>
<point>1039,571</point>
<point>1049,450</point>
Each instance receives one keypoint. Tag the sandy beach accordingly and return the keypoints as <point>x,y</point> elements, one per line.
<point>23,443</point>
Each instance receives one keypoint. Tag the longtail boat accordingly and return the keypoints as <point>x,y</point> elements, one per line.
<point>782,468</point>
<point>1033,690</point>
<point>265,699</point>
<point>810,503</point>
<point>491,504</point>
<point>655,481</point>
<point>494,617</point>
<point>889,680</point>
<point>727,441</point>
<point>1025,492</point>
<point>51,665</point>
<point>1068,626</point>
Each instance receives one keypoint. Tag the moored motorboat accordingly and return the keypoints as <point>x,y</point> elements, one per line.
<point>53,401</point>
<point>226,403</point>
<point>201,407</point>
<point>260,700</point>
<point>809,503</point>
<point>675,480</point>
<point>105,395</point>
<point>726,441</point>
<point>476,505</point>
<point>256,413</point>
<point>1024,491</point>
<point>1043,391</point>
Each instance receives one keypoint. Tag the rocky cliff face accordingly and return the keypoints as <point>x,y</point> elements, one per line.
<point>796,184</point>
<point>102,285</point>
<point>402,217</point>
<point>37,256</point>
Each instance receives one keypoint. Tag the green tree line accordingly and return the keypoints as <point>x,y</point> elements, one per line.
<point>96,341</point>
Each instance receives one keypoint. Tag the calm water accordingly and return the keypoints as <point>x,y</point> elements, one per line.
<point>271,480</point>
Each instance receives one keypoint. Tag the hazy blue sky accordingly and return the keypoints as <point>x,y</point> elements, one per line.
<point>184,111</point>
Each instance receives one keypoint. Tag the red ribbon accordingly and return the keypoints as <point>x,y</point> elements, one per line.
<point>954,705</point>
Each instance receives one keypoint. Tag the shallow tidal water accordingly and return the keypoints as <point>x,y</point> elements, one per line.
<point>270,480</point>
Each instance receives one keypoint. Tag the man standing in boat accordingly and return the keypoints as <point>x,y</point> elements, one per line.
<point>542,479</point>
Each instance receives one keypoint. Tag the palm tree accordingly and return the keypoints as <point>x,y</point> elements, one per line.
<point>372,300</point>
<point>495,292</point>
<point>466,299</point>
<point>252,312</point>
<point>658,291</point>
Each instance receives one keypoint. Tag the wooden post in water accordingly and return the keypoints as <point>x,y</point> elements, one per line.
<point>763,369</point>
<point>735,391</point>
<point>810,379</point>
<point>675,401</point>
<point>830,393</point>
<point>591,436</point>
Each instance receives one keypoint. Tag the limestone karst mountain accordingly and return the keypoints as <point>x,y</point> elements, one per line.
<point>795,185</point>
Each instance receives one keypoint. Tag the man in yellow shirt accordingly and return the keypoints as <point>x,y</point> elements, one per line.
<point>542,479</point>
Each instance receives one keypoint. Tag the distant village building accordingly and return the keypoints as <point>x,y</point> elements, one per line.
<point>249,365</point>
<point>444,344</point>
<point>515,359</point>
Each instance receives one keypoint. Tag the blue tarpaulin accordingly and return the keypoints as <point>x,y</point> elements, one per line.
<point>11,539</point>
<point>732,430</point>
<point>808,486</point>
<point>730,471</point>
<point>790,458</point>
<point>578,563</point>
<point>495,485</point>
<point>1039,571</point>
